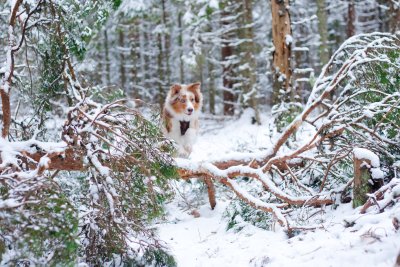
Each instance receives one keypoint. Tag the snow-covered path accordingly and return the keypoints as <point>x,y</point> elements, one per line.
<point>204,241</point>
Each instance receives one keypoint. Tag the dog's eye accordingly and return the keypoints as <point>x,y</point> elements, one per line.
<point>192,99</point>
<point>182,100</point>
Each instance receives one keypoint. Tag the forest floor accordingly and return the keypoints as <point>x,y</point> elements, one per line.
<point>205,241</point>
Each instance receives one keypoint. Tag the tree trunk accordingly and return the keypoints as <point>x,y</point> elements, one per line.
<point>248,49</point>
<point>121,41</point>
<point>144,57</point>
<point>351,17</point>
<point>227,52</point>
<point>394,14</point>
<point>323,32</point>
<point>166,45</point>
<point>180,43</point>
<point>163,58</point>
<point>282,38</point>
<point>107,58</point>
<point>160,96</point>
<point>211,88</point>
<point>134,40</point>
<point>7,79</point>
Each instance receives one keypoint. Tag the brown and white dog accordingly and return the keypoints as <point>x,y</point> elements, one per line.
<point>181,115</point>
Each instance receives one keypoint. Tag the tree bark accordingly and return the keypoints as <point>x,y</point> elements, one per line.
<point>394,13</point>
<point>161,95</point>
<point>107,58</point>
<point>134,40</point>
<point>163,58</point>
<point>180,43</point>
<point>249,73</point>
<point>211,88</point>
<point>5,102</point>
<point>166,45</point>
<point>323,32</point>
<point>351,17</point>
<point>121,41</point>
<point>227,52</point>
<point>7,79</point>
<point>144,57</point>
<point>211,192</point>
<point>281,35</point>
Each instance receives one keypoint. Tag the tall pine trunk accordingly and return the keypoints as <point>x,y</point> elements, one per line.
<point>166,46</point>
<point>323,32</point>
<point>351,19</point>
<point>394,16</point>
<point>180,43</point>
<point>226,53</point>
<point>282,39</point>
<point>160,68</point>
<point>134,40</point>
<point>107,58</point>
<point>121,43</point>
<point>248,49</point>
<point>211,88</point>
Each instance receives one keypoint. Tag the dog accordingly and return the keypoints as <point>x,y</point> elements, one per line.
<point>181,115</point>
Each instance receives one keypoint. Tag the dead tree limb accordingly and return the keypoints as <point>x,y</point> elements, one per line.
<point>380,194</point>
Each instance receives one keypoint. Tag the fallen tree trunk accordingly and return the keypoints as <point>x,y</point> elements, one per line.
<point>72,159</point>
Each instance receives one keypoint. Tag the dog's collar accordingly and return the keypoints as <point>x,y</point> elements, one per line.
<point>184,126</point>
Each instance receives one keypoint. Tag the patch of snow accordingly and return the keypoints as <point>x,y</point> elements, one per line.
<point>288,39</point>
<point>368,113</point>
<point>363,153</point>
<point>214,4</point>
<point>205,241</point>
<point>188,17</point>
<point>377,173</point>
<point>8,203</point>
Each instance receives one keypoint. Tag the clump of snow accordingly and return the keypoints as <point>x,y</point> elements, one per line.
<point>8,203</point>
<point>94,192</point>
<point>368,113</point>
<point>190,60</point>
<point>288,39</point>
<point>132,7</point>
<point>213,4</point>
<point>45,162</point>
<point>377,173</point>
<point>188,17</point>
<point>363,153</point>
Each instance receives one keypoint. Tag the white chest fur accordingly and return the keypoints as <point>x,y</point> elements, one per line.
<point>186,140</point>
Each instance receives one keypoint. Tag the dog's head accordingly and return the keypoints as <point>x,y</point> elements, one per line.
<point>185,99</point>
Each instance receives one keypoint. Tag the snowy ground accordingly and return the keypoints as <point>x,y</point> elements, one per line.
<point>204,241</point>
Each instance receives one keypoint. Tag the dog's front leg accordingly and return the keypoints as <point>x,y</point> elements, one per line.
<point>189,139</point>
<point>191,136</point>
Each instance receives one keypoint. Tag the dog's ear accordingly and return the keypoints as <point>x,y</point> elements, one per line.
<point>195,89</point>
<point>175,89</point>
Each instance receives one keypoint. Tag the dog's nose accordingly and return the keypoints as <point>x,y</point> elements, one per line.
<point>190,110</point>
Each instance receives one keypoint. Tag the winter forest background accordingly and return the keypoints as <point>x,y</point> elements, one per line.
<point>299,133</point>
